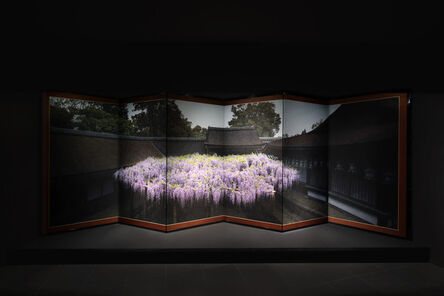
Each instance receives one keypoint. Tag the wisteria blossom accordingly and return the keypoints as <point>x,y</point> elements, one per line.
<point>241,178</point>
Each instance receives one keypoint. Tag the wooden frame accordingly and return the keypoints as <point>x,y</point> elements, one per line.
<point>225,102</point>
<point>45,162</point>
<point>402,166</point>
<point>401,229</point>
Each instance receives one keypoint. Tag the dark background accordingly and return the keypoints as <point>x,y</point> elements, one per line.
<point>319,49</point>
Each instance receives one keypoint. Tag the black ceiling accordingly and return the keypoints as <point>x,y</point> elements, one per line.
<point>217,49</point>
<point>301,22</point>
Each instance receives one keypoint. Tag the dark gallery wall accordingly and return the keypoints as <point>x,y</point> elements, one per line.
<point>427,172</point>
<point>20,212</point>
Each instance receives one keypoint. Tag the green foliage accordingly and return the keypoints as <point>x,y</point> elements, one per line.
<point>89,116</point>
<point>61,117</point>
<point>151,121</point>
<point>199,132</point>
<point>178,125</point>
<point>262,116</point>
<point>96,119</point>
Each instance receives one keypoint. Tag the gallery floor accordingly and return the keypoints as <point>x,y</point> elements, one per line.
<point>224,279</point>
<point>217,243</point>
<point>83,262</point>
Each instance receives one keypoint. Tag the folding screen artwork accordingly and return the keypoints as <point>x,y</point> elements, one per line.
<point>193,195</point>
<point>305,149</point>
<point>83,155</point>
<point>141,176</point>
<point>364,157</point>
<point>169,162</point>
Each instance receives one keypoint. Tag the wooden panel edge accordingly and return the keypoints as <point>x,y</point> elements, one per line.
<point>254,99</point>
<point>402,166</point>
<point>45,163</point>
<point>162,96</point>
<point>80,225</point>
<point>300,224</point>
<point>365,226</point>
<point>82,97</point>
<point>226,102</point>
<point>372,97</point>
<point>141,223</point>
<point>156,97</point>
<point>195,99</point>
<point>305,99</point>
<point>165,228</point>
<point>255,223</point>
<point>193,223</point>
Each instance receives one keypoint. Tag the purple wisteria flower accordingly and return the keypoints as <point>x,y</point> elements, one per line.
<point>241,178</point>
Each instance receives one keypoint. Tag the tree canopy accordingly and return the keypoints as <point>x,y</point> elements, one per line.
<point>154,118</point>
<point>89,116</point>
<point>149,119</point>
<point>262,116</point>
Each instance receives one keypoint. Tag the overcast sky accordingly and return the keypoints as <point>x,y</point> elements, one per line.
<point>301,115</point>
<point>295,116</point>
<point>201,114</point>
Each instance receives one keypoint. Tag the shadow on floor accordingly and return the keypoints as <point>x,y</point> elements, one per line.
<point>224,279</point>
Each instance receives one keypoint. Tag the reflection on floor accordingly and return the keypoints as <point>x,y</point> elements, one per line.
<point>219,235</point>
<point>224,279</point>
